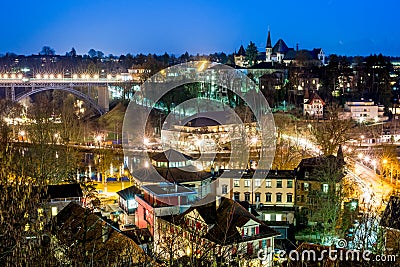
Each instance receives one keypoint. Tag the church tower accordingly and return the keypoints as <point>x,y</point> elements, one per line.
<point>268,48</point>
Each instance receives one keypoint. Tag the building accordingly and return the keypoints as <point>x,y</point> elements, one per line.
<point>161,200</point>
<point>310,181</point>
<point>216,229</point>
<point>363,111</point>
<point>240,57</point>
<point>56,197</point>
<point>126,199</point>
<point>88,239</point>
<point>280,52</point>
<point>272,193</point>
<point>313,106</point>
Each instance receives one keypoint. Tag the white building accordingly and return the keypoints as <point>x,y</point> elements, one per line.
<point>313,106</point>
<point>363,111</point>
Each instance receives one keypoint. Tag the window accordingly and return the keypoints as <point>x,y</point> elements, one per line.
<point>298,198</point>
<point>236,183</point>
<point>247,197</point>
<point>257,182</point>
<point>224,189</point>
<point>289,198</point>
<point>279,184</point>
<point>306,186</point>
<point>267,217</point>
<point>289,183</point>
<point>306,174</point>
<point>278,217</point>
<point>268,197</point>
<point>258,197</point>
<point>278,197</point>
<point>268,183</point>
<point>246,183</point>
<point>325,188</point>
<point>54,211</point>
<point>236,196</point>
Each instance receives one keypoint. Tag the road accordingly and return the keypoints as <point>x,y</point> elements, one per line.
<point>374,190</point>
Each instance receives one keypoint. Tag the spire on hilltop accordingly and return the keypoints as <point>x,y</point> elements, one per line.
<point>269,45</point>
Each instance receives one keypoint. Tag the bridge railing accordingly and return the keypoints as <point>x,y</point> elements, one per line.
<point>23,80</point>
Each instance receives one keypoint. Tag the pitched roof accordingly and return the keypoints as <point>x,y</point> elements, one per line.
<point>241,52</point>
<point>210,118</point>
<point>314,96</point>
<point>269,45</point>
<point>183,174</point>
<point>316,163</point>
<point>290,54</point>
<point>258,174</point>
<point>391,215</point>
<point>280,47</point>
<point>64,191</point>
<point>171,155</point>
<point>129,193</point>
<point>82,230</point>
<point>173,175</point>
<point>224,220</point>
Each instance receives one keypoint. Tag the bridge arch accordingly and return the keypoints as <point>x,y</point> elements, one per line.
<point>77,93</point>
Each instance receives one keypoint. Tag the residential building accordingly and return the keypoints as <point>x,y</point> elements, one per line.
<point>309,181</point>
<point>313,106</point>
<point>216,229</point>
<point>161,200</point>
<point>363,111</point>
<point>56,197</point>
<point>271,192</point>
<point>82,232</point>
<point>127,203</point>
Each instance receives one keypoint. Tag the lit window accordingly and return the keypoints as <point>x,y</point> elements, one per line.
<point>278,217</point>
<point>267,217</point>
<point>289,183</point>
<point>257,182</point>
<point>305,186</point>
<point>325,188</point>
<point>54,211</point>
<point>236,183</point>
<point>246,183</point>
<point>268,183</point>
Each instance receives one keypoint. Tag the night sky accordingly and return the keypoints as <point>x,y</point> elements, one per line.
<point>345,27</point>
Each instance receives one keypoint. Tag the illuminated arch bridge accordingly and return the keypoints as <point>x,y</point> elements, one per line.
<point>94,92</point>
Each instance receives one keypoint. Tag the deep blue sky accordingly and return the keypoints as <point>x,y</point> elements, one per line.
<point>347,27</point>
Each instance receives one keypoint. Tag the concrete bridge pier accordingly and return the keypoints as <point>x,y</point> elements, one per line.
<point>103,98</point>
